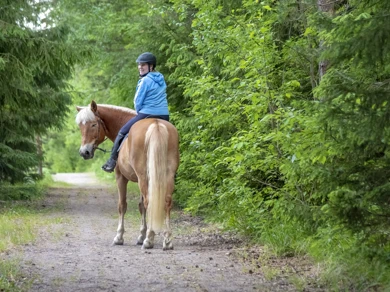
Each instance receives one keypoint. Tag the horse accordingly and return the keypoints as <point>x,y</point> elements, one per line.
<point>149,156</point>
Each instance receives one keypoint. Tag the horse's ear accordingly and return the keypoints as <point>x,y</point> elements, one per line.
<point>79,108</point>
<point>93,106</point>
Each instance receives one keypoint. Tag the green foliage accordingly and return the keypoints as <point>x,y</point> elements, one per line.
<point>26,191</point>
<point>114,33</point>
<point>35,63</point>
<point>354,115</point>
<point>29,190</point>
<point>260,152</point>
<point>239,104</point>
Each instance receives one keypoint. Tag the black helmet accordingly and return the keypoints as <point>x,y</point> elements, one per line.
<point>147,58</point>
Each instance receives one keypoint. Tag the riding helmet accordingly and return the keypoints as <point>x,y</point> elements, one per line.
<point>147,58</point>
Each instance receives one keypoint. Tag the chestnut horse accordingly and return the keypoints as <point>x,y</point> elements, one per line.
<point>149,156</point>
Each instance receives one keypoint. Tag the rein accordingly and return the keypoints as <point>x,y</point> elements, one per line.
<point>103,150</point>
<point>100,121</point>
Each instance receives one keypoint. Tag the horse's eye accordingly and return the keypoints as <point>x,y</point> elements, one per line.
<point>94,125</point>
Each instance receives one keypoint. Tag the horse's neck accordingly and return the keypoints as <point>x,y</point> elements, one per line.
<point>114,121</point>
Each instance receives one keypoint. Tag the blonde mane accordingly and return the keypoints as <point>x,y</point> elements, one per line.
<point>86,115</point>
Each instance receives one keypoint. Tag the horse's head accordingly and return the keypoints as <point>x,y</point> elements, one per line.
<point>93,130</point>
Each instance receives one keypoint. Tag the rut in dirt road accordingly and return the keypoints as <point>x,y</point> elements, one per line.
<point>77,254</point>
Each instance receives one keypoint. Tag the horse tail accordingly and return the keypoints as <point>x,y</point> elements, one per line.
<point>156,142</point>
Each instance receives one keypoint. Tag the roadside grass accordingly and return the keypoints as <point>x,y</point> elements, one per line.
<point>348,266</point>
<point>20,221</point>
<point>336,261</point>
<point>11,278</point>
<point>18,224</point>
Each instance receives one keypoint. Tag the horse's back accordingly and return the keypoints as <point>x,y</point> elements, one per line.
<point>139,129</point>
<point>138,132</point>
<point>134,151</point>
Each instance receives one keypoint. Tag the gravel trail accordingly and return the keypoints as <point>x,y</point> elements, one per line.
<point>76,253</point>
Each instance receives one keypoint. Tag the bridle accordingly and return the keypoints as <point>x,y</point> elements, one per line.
<point>100,122</point>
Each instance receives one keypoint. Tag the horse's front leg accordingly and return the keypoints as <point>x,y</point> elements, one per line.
<point>167,243</point>
<point>143,227</point>
<point>121,182</point>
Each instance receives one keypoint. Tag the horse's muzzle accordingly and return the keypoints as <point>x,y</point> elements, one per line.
<point>86,152</point>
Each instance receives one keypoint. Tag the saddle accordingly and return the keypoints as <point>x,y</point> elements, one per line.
<point>148,117</point>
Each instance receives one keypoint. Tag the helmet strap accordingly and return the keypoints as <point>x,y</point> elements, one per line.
<point>141,76</point>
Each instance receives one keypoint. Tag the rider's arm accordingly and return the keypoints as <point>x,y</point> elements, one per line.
<point>140,94</point>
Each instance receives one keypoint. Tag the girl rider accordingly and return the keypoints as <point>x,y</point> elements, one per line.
<point>150,101</point>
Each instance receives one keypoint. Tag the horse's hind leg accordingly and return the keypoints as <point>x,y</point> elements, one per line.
<point>121,182</point>
<point>167,243</point>
<point>149,240</point>
<point>146,238</point>
<point>143,227</point>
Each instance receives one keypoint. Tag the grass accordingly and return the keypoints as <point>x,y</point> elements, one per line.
<point>20,219</point>
<point>299,282</point>
<point>17,226</point>
<point>19,223</point>
<point>345,264</point>
<point>11,279</point>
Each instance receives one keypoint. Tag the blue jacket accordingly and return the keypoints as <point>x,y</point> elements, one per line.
<point>150,95</point>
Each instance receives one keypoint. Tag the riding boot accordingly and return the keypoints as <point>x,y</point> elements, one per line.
<point>109,166</point>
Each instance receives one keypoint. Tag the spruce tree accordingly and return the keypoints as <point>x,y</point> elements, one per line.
<point>355,113</point>
<point>35,62</point>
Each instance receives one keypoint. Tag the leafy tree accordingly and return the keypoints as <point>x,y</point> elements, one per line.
<point>112,31</point>
<point>117,32</point>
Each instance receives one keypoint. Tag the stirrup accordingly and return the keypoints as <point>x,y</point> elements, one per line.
<point>109,166</point>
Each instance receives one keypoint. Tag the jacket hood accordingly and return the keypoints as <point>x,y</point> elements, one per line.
<point>156,77</point>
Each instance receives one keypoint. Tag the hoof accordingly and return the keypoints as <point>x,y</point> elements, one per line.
<point>147,244</point>
<point>140,240</point>
<point>118,241</point>
<point>168,246</point>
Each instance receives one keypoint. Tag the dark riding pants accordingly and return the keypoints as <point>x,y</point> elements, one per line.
<point>126,128</point>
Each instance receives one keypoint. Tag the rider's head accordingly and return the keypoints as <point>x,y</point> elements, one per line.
<point>149,59</point>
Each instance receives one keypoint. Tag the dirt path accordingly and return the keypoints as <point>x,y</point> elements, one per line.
<point>76,253</point>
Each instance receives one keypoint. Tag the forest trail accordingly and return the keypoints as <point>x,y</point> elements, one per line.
<point>76,253</point>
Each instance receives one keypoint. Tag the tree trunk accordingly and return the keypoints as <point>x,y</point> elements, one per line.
<point>325,6</point>
<point>40,156</point>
